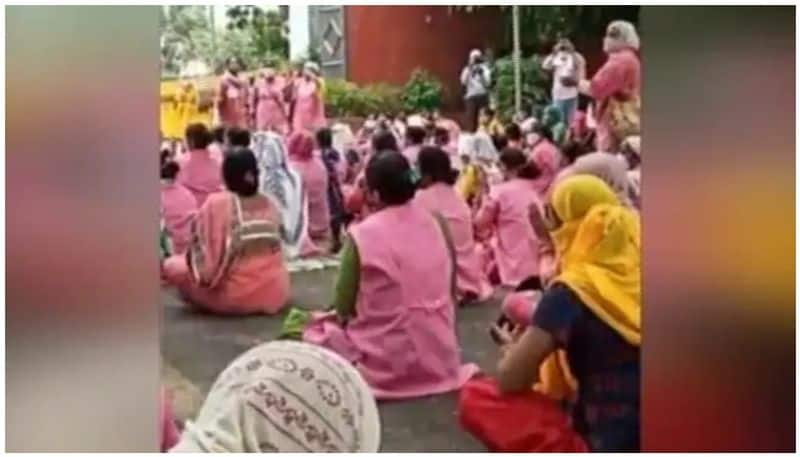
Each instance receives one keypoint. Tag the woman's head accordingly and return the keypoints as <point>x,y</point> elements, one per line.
<point>607,167</point>
<point>513,132</point>
<point>197,136</point>
<point>486,115</point>
<point>573,149</point>
<point>512,160</point>
<point>238,137</point>
<point>169,168</point>
<point>441,136</point>
<point>384,140</point>
<point>434,167</point>
<point>389,179</point>
<point>620,35</point>
<point>324,138</point>
<point>240,172</point>
<point>551,116</point>
<point>218,134</point>
<point>415,135</point>
<point>234,64</point>
<point>300,146</point>
<point>312,382</point>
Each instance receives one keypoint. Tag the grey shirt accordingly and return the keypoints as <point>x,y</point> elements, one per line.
<point>477,82</point>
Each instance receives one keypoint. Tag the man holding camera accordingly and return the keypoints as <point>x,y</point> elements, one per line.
<point>568,67</point>
<point>476,79</point>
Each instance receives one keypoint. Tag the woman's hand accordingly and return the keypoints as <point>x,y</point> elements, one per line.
<point>585,87</point>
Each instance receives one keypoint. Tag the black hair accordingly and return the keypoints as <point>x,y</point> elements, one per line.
<point>513,132</point>
<point>441,135</point>
<point>197,136</point>
<point>415,135</point>
<point>543,131</point>
<point>488,111</point>
<point>352,157</point>
<point>240,171</point>
<point>574,149</point>
<point>169,169</point>
<point>384,140</point>
<point>238,137</point>
<point>435,164</point>
<point>324,138</point>
<point>500,142</point>
<point>218,134</point>
<point>514,159</point>
<point>389,174</point>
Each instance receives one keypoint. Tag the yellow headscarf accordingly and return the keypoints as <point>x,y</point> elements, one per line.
<point>598,244</point>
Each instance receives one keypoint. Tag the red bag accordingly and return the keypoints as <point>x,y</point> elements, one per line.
<point>524,422</point>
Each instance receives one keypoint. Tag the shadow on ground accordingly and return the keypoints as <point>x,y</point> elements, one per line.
<point>197,347</point>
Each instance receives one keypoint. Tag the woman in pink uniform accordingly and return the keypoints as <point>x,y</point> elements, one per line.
<point>234,264</point>
<point>506,212</point>
<point>395,313</point>
<point>270,109</point>
<point>199,170</point>
<point>315,182</point>
<point>178,207</point>
<point>232,96</point>
<point>438,195</point>
<point>309,108</point>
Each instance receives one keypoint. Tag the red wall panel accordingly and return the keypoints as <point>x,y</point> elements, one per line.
<point>386,43</point>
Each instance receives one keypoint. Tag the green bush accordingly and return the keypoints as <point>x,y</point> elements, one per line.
<point>343,98</point>
<point>422,92</point>
<point>535,85</point>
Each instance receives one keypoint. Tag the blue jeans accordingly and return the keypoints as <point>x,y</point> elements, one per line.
<point>567,108</point>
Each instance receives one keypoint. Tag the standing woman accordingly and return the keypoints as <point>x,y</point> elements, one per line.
<point>309,110</point>
<point>270,108</point>
<point>234,264</point>
<point>232,96</point>
<point>615,87</point>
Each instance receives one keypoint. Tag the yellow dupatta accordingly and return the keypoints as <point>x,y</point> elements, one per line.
<point>599,244</point>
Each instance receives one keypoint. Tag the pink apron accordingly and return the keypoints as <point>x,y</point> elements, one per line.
<point>232,101</point>
<point>403,338</point>
<point>270,110</point>
<point>178,209</point>
<point>514,245</point>
<point>309,110</point>
<point>200,173</point>
<point>470,276</point>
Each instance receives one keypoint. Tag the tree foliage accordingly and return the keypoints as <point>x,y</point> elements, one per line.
<point>257,36</point>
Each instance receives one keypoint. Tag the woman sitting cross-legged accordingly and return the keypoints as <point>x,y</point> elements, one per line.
<point>580,343</point>
<point>394,312</point>
<point>234,264</point>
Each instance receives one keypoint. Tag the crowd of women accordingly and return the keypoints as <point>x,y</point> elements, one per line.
<point>425,219</point>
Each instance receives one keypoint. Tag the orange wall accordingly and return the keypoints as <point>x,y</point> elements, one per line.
<point>386,43</point>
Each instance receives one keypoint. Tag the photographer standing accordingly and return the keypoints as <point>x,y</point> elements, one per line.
<point>476,79</point>
<point>568,67</point>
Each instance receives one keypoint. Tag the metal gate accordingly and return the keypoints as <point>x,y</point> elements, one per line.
<point>328,38</point>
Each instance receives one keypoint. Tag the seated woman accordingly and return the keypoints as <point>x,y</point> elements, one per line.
<point>315,182</point>
<point>284,186</point>
<point>199,171</point>
<point>414,139</point>
<point>178,207</point>
<point>438,196</point>
<point>355,199</point>
<point>505,213</point>
<point>394,310</point>
<point>546,157</point>
<point>252,402</point>
<point>234,264</point>
<point>588,319</point>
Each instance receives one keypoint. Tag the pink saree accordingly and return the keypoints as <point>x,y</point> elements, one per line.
<point>234,264</point>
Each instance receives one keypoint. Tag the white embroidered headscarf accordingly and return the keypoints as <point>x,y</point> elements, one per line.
<point>284,186</point>
<point>286,396</point>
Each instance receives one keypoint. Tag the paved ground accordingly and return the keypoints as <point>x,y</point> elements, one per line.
<point>196,347</point>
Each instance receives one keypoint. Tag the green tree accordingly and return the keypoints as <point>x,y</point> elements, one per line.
<point>184,30</point>
<point>261,33</point>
